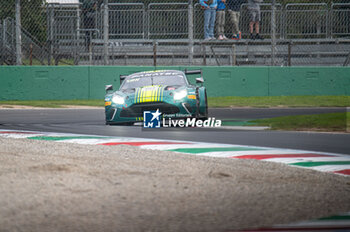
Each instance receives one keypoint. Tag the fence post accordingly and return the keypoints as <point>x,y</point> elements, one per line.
<point>77,35</point>
<point>273,32</point>
<point>18,34</point>
<point>51,32</point>
<point>204,53</point>
<point>233,55</point>
<point>190,31</point>
<point>155,43</point>
<point>105,31</point>
<point>4,38</point>
<point>290,53</point>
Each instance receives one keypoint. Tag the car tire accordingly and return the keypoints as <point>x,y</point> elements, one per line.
<point>205,115</point>
<point>197,115</point>
<point>120,124</point>
<point>127,124</point>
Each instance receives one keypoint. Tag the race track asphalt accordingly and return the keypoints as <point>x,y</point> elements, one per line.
<point>91,121</point>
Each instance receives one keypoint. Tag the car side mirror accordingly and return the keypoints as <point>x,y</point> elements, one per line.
<point>199,80</point>
<point>108,88</point>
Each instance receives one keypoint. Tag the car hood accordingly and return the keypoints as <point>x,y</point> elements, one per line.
<point>152,93</point>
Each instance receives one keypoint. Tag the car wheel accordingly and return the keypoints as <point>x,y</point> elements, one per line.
<point>197,116</point>
<point>205,115</point>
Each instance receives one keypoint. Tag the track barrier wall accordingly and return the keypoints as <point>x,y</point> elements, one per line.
<point>88,82</point>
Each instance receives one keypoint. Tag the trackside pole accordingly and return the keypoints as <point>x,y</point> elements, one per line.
<point>273,32</point>
<point>105,31</point>
<point>190,31</point>
<point>18,33</point>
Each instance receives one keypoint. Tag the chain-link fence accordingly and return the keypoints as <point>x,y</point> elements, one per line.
<point>170,32</point>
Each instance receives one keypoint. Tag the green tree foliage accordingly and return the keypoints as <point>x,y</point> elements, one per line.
<point>33,16</point>
<point>7,9</point>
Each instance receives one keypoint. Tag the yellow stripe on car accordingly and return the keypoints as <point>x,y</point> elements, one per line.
<point>141,95</point>
<point>149,94</point>
<point>108,103</point>
<point>158,94</point>
<point>191,96</point>
<point>155,98</point>
<point>135,100</point>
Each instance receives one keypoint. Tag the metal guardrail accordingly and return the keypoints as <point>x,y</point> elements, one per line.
<point>296,52</point>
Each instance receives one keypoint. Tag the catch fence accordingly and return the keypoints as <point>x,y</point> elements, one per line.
<point>171,33</point>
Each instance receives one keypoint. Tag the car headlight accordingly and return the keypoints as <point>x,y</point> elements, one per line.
<point>118,99</point>
<point>181,94</point>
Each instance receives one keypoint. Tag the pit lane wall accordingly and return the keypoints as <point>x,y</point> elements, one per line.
<point>87,82</point>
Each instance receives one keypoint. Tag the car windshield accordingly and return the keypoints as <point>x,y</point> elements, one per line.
<point>146,79</point>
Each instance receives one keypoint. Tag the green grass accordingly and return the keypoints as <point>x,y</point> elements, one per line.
<point>280,101</point>
<point>55,103</point>
<point>262,102</point>
<point>319,122</point>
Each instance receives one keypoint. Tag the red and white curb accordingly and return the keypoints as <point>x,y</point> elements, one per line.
<point>320,161</point>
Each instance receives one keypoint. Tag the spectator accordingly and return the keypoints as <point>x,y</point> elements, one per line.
<point>89,8</point>
<point>254,14</point>
<point>209,7</point>
<point>234,8</point>
<point>220,19</point>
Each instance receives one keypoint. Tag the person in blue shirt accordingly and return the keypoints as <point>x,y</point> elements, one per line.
<point>220,19</point>
<point>209,7</point>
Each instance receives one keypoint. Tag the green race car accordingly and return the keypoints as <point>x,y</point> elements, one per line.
<point>167,91</point>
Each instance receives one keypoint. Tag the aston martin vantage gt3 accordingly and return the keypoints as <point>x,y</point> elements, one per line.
<point>168,91</point>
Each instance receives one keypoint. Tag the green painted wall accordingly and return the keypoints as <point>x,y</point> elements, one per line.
<point>87,82</point>
<point>309,81</point>
<point>31,83</point>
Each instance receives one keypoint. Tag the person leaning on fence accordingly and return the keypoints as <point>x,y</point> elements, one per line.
<point>254,14</point>
<point>209,7</point>
<point>89,8</point>
<point>234,9</point>
<point>220,19</point>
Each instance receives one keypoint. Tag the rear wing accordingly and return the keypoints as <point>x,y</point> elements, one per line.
<point>122,78</point>
<point>193,72</point>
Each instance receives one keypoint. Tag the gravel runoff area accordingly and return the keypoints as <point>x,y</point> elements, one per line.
<point>51,186</point>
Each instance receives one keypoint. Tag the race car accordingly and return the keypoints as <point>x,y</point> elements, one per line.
<point>166,91</point>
